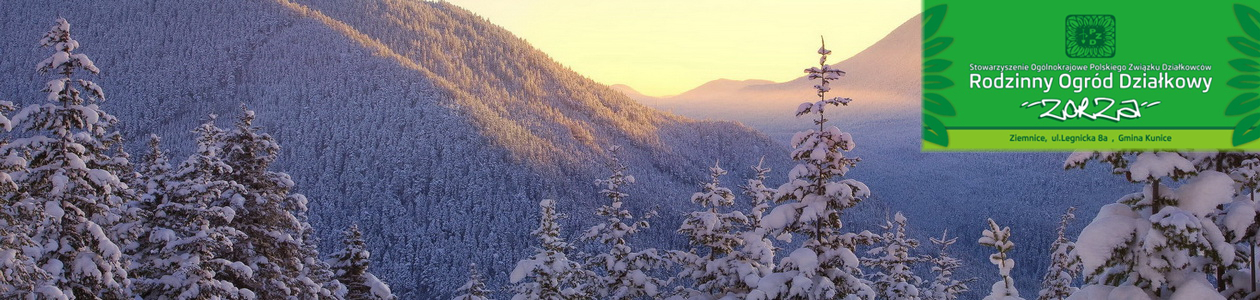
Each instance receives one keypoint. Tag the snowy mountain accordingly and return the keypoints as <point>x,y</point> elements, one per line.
<point>432,129</point>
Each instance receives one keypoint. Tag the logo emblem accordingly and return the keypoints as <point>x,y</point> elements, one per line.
<point>1091,36</point>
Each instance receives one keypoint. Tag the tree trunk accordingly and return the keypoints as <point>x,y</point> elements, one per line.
<point>1155,197</point>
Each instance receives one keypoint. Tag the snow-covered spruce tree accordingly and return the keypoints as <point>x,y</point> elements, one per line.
<point>549,274</point>
<point>152,186</point>
<point>944,286</point>
<point>1064,265</point>
<point>1236,219</point>
<point>1240,223</point>
<point>475,288</point>
<point>758,193</point>
<point>20,277</point>
<point>622,273</point>
<point>126,231</point>
<point>1159,242</point>
<point>183,256</point>
<point>64,148</point>
<point>810,206</point>
<point>895,278</point>
<point>1000,239</point>
<point>130,228</point>
<point>714,232</point>
<point>280,247</point>
<point>754,259</point>
<point>350,266</point>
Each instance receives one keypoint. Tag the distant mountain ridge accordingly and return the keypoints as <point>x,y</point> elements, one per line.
<point>883,80</point>
<point>719,87</point>
<point>628,91</point>
<point>435,130</point>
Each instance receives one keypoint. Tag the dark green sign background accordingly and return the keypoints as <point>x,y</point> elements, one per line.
<point>958,116</point>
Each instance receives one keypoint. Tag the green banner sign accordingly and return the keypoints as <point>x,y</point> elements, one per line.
<point>1090,75</point>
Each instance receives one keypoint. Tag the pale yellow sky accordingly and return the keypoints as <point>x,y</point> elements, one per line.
<point>666,47</point>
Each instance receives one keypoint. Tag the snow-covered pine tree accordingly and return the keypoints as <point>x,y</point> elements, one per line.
<point>754,259</point>
<point>280,248</point>
<point>810,206</point>
<point>1160,241</point>
<point>64,152</point>
<point>127,230</point>
<point>1240,224</point>
<point>153,184</point>
<point>715,233</point>
<point>320,271</point>
<point>1064,265</point>
<point>549,274</point>
<point>1000,239</point>
<point>475,288</point>
<point>710,228</point>
<point>1237,219</point>
<point>895,278</point>
<point>944,286</point>
<point>350,266</point>
<point>758,193</point>
<point>622,273</point>
<point>20,277</point>
<point>183,256</point>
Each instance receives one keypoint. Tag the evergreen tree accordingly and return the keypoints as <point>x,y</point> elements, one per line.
<point>320,272</point>
<point>710,228</point>
<point>474,289</point>
<point>350,266</point>
<point>944,286</point>
<point>754,259</point>
<point>65,181</point>
<point>625,273</point>
<point>715,232</point>
<point>1239,221</point>
<point>1000,239</point>
<point>190,229</point>
<point>132,214</point>
<point>810,206</point>
<point>280,247</point>
<point>20,277</point>
<point>152,185</point>
<point>895,280</point>
<point>760,194</point>
<point>550,273</point>
<point>1162,241</point>
<point>1236,219</point>
<point>154,174</point>
<point>128,229</point>
<point>1064,265</point>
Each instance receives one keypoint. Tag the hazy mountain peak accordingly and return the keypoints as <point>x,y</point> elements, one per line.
<point>883,80</point>
<point>631,93</point>
<point>720,86</point>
